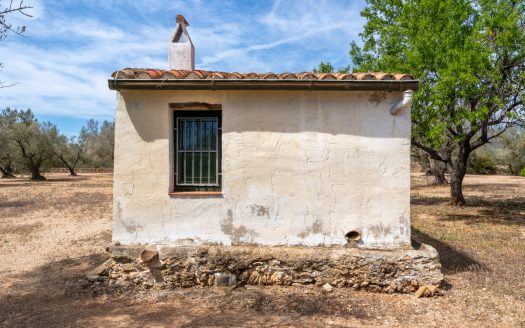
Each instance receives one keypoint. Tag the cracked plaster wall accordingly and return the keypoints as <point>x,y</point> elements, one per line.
<point>299,168</point>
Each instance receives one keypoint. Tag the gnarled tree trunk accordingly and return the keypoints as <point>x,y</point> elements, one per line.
<point>457,174</point>
<point>34,168</point>
<point>456,191</point>
<point>437,170</point>
<point>70,167</point>
<point>7,171</point>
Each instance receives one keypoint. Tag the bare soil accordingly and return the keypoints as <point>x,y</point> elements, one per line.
<point>53,232</point>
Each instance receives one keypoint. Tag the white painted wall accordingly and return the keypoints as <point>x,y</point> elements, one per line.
<point>299,167</point>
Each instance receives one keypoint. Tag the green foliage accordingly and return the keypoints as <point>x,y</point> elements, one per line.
<point>324,68</point>
<point>469,56</point>
<point>482,162</point>
<point>522,172</point>
<point>29,145</point>
<point>514,143</point>
<point>32,140</point>
<point>98,140</point>
<point>328,68</point>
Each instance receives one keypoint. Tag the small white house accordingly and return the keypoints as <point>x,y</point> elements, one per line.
<point>229,158</point>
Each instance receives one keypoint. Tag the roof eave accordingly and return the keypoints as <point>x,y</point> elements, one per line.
<point>248,84</point>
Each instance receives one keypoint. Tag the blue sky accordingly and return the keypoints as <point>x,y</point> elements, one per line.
<point>71,47</point>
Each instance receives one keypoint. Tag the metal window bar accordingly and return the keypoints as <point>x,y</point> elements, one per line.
<point>187,135</point>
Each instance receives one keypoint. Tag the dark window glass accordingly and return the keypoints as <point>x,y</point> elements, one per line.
<point>197,137</point>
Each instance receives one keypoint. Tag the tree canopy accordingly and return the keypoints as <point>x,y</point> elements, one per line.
<point>469,56</point>
<point>27,145</point>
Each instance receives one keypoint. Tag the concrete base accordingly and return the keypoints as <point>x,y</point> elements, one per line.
<point>186,266</point>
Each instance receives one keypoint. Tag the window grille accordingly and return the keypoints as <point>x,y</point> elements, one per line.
<point>197,139</point>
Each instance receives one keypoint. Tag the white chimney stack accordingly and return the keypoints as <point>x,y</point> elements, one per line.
<point>181,51</point>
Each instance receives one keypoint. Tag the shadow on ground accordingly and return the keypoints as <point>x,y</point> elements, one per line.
<point>25,182</point>
<point>54,295</point>
<point>452,259</point>
<point>492,211</point>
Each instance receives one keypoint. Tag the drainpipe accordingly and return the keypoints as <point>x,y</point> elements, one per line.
<point>404,103</point>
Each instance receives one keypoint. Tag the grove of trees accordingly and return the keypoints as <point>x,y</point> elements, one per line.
<point>27,145</point>
<point>469,56</point>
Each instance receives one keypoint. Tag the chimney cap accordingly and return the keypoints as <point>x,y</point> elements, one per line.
<point>181,20</point>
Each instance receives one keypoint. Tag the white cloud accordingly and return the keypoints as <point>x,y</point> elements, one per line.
<point>64,62</point>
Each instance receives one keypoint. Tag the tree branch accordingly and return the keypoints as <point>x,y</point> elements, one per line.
<point>484,138</point>
<point>432,152</point>
<point>20,8</point>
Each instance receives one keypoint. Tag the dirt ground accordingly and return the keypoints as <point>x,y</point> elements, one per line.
<point>52,232</point>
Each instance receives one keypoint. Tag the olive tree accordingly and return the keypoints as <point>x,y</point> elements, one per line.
<point>98,142</point>
<point>68,151</point>
<point>33,141</point>
<point>7,155</point>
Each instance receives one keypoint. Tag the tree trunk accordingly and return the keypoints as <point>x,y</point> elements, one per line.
<point>35,171</point>
<point>456,191</point>
<point>7,172</point>
<point>457,173</point>
<point>439,176</point>
<point>35,175</point>
<point>71,168</point>
<point>437,170</point>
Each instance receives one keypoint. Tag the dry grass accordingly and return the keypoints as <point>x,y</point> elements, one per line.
<point>482,243</point>
<point>52,232</point>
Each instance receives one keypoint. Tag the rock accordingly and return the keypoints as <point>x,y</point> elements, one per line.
<point>93,278</point>
<point>328,288</point>
<point>225,279</point>
<point>389,290</point>
<point>426,291</point>
<point>149,256</point>
<point>127,267</point>
<point>101,270</point>
<point>374,288</point>
<point>420,291</point>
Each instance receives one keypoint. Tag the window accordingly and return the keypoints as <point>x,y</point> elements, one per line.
<point>197,139</point>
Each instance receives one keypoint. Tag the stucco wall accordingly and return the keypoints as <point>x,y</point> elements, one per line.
<point>298,168</point>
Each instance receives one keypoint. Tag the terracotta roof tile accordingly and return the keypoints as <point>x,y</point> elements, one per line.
<point>152,74</point>
<point>306,76</point>
<point>288,76</point>
<point>346,76</point>
<point>384,76</point>
<point>234,76</point>
<point>403,77</point>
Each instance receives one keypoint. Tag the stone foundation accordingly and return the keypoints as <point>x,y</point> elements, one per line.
<point>187,266</point>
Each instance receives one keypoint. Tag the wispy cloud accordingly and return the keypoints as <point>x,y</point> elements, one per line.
<point>71,47</point>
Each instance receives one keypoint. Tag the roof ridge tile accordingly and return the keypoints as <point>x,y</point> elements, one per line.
<point>153,74</point>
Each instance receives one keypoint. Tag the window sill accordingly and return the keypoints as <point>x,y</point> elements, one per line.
<point>195,193</point>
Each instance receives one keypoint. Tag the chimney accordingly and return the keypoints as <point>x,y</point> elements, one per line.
<point>181,51</point>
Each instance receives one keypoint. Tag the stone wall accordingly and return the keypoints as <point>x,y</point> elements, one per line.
<point>187,266</point>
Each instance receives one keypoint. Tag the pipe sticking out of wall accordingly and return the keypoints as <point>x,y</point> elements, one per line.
<point>404,103</point>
